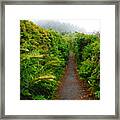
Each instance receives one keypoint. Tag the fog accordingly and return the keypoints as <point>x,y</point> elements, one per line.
<point>85,26</point>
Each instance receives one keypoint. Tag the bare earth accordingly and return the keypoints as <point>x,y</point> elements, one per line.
<point>71,87</point>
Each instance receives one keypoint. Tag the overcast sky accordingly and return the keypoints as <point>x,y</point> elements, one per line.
<point>87,25</point>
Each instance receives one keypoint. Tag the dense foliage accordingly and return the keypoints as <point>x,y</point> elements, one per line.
<point>87,49</point>
<point>43,56</point>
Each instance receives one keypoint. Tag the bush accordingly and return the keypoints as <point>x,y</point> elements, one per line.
<point>43,52</point>
<point>87,49</point>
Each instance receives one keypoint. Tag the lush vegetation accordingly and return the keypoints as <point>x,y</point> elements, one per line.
<point>87,49</point>
<point>44,55</point>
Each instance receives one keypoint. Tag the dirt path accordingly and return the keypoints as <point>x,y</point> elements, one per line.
<point>71,87</point>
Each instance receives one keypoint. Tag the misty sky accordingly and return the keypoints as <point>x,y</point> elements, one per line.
<point>87,25</point>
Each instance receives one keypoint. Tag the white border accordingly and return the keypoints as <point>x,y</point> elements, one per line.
<point>104,106</point>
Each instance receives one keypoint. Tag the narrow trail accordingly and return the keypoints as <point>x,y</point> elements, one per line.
<point>71,87</point>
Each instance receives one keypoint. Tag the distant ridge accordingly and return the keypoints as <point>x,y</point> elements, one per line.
<point>59,26</point>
